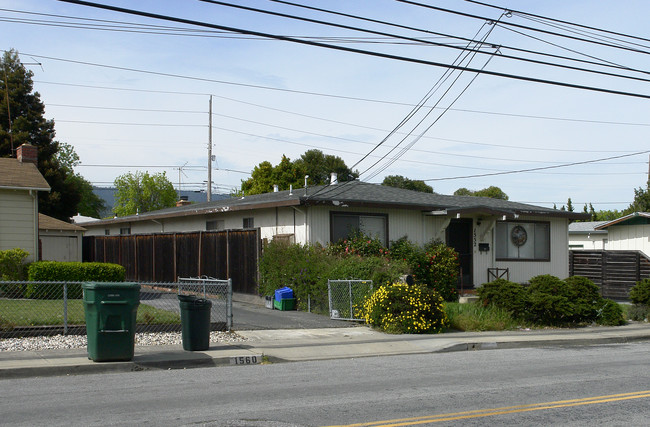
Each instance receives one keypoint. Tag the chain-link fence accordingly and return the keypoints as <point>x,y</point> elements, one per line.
<point>346,298</point>
<point>53,308</point>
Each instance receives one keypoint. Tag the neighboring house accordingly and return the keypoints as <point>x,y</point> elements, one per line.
<point>59,240</point>
<point>629,233</point>
<point>488,233</point>
<point>583,235</point>
<point>20,182</point>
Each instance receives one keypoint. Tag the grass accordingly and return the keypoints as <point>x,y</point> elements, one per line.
<point>474,317</point>
<point>25,312</point>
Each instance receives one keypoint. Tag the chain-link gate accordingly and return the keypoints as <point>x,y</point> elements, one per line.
<point>346,297</point>
<point>219,292</point>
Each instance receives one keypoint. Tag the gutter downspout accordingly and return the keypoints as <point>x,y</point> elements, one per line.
<point>34,195</point>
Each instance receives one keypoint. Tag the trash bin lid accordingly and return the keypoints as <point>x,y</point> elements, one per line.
<point>110,285</point>
<point>187,298</point>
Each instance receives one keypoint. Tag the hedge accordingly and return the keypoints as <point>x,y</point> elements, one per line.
<point>53,271</point>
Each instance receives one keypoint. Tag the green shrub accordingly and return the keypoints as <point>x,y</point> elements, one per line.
<point>53,271</point>
<point>13,268</point>
<point>585,297</point>
<point>640,293</point>
<point>400,308</point>
<point>549,301</point>
<point>12,264</point>
<point>505,295</point>
<point>610,314</point>
<point>439,270</point>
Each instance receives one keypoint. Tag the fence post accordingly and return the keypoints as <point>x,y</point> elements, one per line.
<point>229,306</point>
<point>65,309</point>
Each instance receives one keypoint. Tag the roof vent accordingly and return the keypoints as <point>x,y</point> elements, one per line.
<point>275,188</point>
<point>333,178</point>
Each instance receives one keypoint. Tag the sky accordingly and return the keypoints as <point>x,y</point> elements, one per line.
<point>133,93</point>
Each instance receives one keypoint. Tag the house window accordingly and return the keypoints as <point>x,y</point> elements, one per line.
<point>248,223</point>
<point>125,230</point>
<point>343,224</point>
<point>217,224</point>
<point>525,241</point>
<point>107,232</point>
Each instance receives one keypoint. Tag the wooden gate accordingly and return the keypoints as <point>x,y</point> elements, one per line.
<point>163,257</point>
<point>615,272</point>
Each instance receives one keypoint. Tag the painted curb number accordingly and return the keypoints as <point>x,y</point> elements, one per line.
<point>246,360</point>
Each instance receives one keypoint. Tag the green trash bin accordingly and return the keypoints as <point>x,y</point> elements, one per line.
<point>195,322</point>
<point>111,310</point>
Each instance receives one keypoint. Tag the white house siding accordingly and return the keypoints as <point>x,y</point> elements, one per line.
<point>594,242</point>
<point>17,221</point>
<point>522,271</point>
<point>629,238</point>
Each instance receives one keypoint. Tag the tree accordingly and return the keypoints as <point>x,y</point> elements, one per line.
<point>24,122</point>
<point>90,204</point>
<point>641,201</point>
<point>491,192</point>
<point>319,167</point>
<point>569,205</point>
<point>399,181</point>
<point>140,192</point>
<point>313,163</point>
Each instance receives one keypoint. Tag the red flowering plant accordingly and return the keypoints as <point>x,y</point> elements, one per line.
<point>359,244</point>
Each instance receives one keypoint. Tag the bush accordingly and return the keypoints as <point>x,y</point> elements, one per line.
<point>549,301</point>
<point>610,314</point>
<point>505,295</point>
<point>585,297</point>
<point>53,271</point>
<point>358,244</point>
<point>12,268</point>
<point>400,308</point>
<point>640,293</point>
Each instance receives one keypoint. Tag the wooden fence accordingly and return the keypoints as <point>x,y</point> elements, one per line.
<point>615,272</point>
<point>163,257</point>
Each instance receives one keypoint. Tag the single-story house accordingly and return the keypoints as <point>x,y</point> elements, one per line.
<point>629,233</point>
<point>488,234</point>
<point>59,240</point>
<point>20,182</point>
<point>584,235</point>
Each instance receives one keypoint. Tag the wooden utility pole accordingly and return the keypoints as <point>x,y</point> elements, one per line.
<point>209,191</point>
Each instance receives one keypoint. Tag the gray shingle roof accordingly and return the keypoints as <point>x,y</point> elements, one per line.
<point>356,193</point>
<point>18,175</point>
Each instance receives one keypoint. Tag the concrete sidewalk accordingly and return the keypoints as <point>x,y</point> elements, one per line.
<point>277,346</point>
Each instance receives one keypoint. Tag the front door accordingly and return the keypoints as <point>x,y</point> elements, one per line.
<point>459,237</point>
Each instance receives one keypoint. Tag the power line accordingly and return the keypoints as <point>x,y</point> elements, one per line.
<point>538,169</point>
<point>379,101</point>
<point>469,15</point>
<point>351,50</point>
<point>477,50</point>
<point>558,20</point>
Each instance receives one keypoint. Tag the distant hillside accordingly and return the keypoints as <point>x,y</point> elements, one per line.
<point>108,195</point>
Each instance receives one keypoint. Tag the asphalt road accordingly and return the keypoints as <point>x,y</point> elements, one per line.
<point>577,386</point>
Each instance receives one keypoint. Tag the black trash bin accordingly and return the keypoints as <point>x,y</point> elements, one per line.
<point>195,322</point>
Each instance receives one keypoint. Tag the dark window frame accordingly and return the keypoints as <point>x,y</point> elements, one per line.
<point>334,214</point>
<point>548,239</point>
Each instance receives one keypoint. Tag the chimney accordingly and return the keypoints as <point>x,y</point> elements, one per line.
<point>183,202</point>
<point>27,153</point>
<point>333,178</point>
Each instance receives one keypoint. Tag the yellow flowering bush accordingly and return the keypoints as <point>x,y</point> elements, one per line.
<point>402,309</point>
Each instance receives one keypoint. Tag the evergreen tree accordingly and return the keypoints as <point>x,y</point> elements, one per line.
<point>24,122</point>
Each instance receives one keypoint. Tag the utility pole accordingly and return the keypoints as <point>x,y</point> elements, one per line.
<point>209,192</point>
